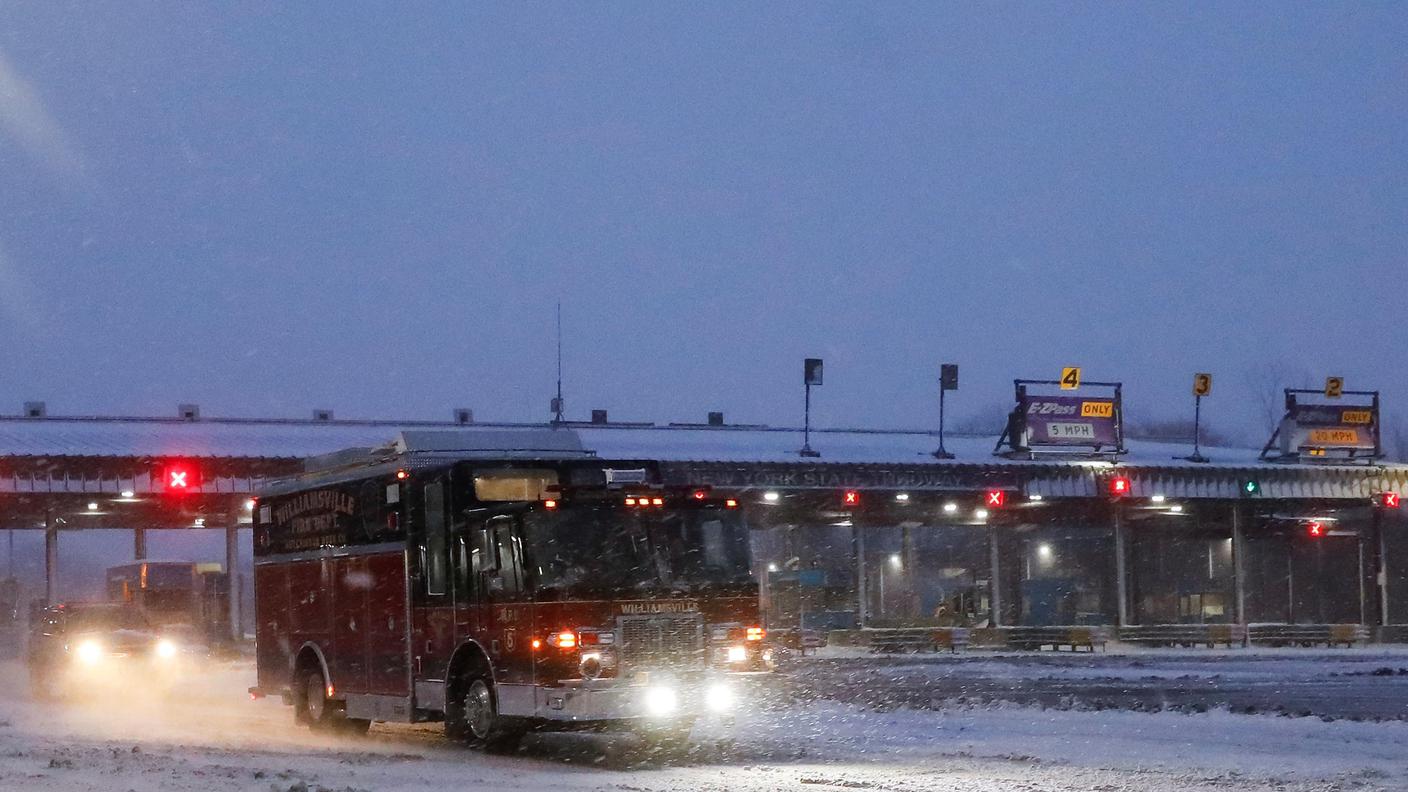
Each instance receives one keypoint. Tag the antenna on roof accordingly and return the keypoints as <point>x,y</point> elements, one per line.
<point>557,400</point>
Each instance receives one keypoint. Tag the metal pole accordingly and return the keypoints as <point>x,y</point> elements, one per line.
<point>232,575</point>
<point>139,544</point>
<point>1197,427</point>
<point>858,539</point>
<point>10,558</point>
<point>807,426</point>
<point>1381,575</point>
<point>51,554</point>
<point>1239,576</point>
<point>995,580</point>
<point>1121,570</point>
<point>1363,595</point>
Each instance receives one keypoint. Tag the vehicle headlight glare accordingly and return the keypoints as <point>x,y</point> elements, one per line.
<point>738,654</point>
<point>590,665</point>
<point>166,649</point>
<point>660,700</point>
<point>89,651</point>
<point>719,697</point>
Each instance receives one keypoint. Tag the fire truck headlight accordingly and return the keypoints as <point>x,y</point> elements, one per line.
<point>89,652</point>
<point>738,654</point>
<point>719,697</point>
<point>166,649</point>
<point>660,700</point>
<point>590,665</point>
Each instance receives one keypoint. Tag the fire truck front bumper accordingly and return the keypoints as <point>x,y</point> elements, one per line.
<point>643,698</point>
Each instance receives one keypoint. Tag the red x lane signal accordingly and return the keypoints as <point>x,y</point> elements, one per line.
<point>850,498</point>
<point>1316,528</point>
<point>181,478</point>
<point>996,499</point>
<point>1389,500</point>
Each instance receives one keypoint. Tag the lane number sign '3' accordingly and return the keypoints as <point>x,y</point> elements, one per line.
<point>1202,384</point>
<point>1070,378</point>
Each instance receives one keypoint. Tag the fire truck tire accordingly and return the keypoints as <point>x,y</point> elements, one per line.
<point>312,707</point>
<point>474,718</point>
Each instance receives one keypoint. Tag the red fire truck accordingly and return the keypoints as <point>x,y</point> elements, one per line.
<point>503,581</point>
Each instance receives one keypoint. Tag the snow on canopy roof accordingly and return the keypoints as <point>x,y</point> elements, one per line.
<point>292,439</point>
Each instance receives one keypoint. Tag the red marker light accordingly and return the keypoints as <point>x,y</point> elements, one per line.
<point>850,498</point>
<point>1119,486</point>
<point>630,501</point>
<point>657,501</point>
<point>181,478</point>
<point>402,475</point>
<point>1389,500</point>
<point>996,499</point>
<point>700,494</point>
<point>731,503</point>
<point>1315,528</point>
<point>549,504</point>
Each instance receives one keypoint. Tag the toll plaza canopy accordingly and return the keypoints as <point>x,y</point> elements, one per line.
<point>1144,537</point>
<point>230,456</point>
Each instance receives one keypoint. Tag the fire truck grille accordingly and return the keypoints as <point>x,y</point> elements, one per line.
<point>662,640</point>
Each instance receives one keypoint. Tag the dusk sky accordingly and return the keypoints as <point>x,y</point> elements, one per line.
<point>374,208</point>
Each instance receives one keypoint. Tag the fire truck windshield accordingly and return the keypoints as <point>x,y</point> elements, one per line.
<point>603,550</point>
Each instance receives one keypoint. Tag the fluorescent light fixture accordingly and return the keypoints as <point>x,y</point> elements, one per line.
<point>981,514</point>
<point>771,497</point>
<point>950,507</point>
<point>901,496</point>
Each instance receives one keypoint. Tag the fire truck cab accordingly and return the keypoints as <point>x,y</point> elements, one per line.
<point>503,581</point>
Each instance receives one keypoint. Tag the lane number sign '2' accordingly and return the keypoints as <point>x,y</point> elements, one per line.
<point>1334,387</point>
<point>1070,378</point>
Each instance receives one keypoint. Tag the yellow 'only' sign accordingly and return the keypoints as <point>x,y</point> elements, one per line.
<point>1070,378</point>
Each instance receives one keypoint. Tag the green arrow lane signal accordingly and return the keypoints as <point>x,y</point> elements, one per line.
<point>1251,487</point>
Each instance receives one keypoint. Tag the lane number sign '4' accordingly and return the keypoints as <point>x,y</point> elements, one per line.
<point>1070,378</point>
<point>1202,384</point>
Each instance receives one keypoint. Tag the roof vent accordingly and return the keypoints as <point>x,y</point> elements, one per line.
<point>188,412</point>
<point>598,416</point>
<point>716,419</point>
<point>35,410</point>
<point>322,415</point>
<point>464,415</point>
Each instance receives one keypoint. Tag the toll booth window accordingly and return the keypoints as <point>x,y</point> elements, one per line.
<point>436,539</point>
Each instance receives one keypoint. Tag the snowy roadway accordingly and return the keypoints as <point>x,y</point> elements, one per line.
<point>215,738</point>
<point>1363,684</point>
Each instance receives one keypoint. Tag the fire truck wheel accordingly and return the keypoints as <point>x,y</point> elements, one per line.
<point>475,719</point>
<point>311,705</point>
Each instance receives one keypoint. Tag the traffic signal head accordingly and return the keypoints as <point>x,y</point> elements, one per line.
<point>180,477</point>
<point>1250,488</point>
<point>995,499</point>
<point>1119,486</point>
<point>1315,528</point>
<point>1389,500</point>
<point>850,498</point>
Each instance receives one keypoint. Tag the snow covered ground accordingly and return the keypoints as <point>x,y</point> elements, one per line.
<point>213,737</point>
